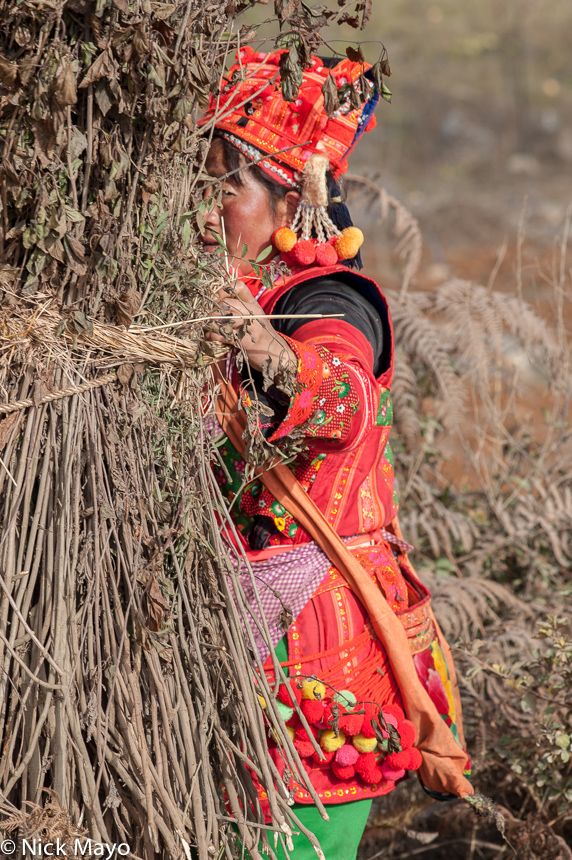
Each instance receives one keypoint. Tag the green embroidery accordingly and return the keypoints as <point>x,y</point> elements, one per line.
<point>342,388</point>
<point>388,453</point>
<point>384,416</point>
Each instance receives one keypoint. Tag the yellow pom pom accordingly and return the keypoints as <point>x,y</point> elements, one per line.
<point>313,690</point>
<point>284,239</point>
<point>262,702</point>
<point>364,745</point>
<point>291,732</point>
<point>348,244</point>
<point>330,742</point>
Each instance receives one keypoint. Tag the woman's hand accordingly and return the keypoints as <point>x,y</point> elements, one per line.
<point>260,342</point>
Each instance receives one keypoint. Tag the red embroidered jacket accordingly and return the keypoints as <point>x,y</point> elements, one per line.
<point>344,415</point>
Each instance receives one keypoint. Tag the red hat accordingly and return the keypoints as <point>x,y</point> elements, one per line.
<point>251,113</point>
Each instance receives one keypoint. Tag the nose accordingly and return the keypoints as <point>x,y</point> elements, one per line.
<point>212,212</point>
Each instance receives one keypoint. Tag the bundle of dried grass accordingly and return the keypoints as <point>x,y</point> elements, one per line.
<point>129,709</point>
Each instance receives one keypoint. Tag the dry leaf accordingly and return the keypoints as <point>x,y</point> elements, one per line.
<point>75,253</point>
<point>124,373</point>
<point>6,427</point>
<point>330,93</point>
<point>157,606</point>
<point>141,43</point>
<point>355,55</point>
<point>40,390</point>
<point>127,306</point>
<point>44,142</point>
<point>103,67</point>
<point>65,89</point>
<point>8,72</point>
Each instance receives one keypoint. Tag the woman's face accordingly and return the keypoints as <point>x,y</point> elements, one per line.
<point>250,218</point>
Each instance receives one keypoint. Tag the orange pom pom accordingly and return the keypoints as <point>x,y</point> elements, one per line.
<point>348,244</point>
<point>284,239</point>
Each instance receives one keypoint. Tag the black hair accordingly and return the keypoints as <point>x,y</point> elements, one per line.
<point>340,214</point>
<point>337,209</point>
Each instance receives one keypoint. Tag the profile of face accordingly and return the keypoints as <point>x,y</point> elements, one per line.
<point>250,213</point>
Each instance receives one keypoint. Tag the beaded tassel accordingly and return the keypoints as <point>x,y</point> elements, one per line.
<point>312,209</point>
<point>329,245</point>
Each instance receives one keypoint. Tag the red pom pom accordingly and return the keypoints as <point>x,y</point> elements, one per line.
<point>305,748</point>
<point>285,694</point>
<point>375,775</point>
<point>328,756</point>
<point>394,710</point>
<point>326,255</point>
<point>398,760</point>
<point>351,723</point>
<point>371,712</point>
<point>304,252</point>
<point>343,772</point>
<point>366,762</point>
<point>368,769</point>
<point>407,733</point>
<point>313,710</point>
<point>331,709</point>
<point>415,759</point>
<point>302,734</point>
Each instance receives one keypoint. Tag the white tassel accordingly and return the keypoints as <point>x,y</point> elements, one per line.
<point>312,213</point>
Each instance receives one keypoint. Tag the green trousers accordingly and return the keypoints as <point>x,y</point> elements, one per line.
<point>339,837</point>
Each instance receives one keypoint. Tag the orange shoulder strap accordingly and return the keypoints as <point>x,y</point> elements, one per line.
<point>443,759</point>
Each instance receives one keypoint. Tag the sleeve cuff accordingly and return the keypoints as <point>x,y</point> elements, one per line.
<point>308,381</point>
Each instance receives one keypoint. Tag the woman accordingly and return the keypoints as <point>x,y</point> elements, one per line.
<point>317,389</point>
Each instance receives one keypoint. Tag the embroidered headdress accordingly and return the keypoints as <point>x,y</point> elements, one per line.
<point>296,142</point>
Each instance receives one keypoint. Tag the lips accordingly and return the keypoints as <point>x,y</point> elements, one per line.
<point>210,244</point>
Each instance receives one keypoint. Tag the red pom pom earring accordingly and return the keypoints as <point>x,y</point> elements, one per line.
<point>330,245</point>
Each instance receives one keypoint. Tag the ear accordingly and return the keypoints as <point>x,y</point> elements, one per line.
<point>286,209</point>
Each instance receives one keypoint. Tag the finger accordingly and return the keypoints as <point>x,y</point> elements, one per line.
<point>211,335</point>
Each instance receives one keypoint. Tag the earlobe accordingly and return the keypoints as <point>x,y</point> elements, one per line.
<point>291,200</point>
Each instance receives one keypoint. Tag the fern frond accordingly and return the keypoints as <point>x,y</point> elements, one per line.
<point>404,397</point>
<point>405,229</point>
<point>463,606</point>
<point>423,342</point>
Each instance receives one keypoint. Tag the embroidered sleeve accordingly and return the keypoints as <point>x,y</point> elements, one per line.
<point>335,404</point>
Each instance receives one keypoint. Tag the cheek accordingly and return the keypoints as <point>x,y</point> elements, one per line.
<point>252,215</point>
